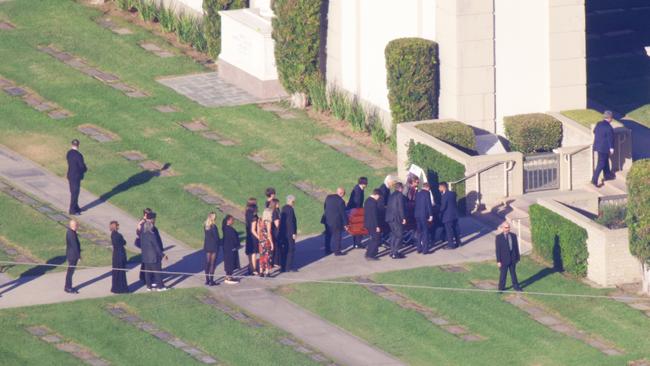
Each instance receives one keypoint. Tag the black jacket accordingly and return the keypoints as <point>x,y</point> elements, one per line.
<point>76,165</point>
<point>603,137</point>
<point>151,251</point>
<point>356,198</point>
<point>334,215</point>
<point>288,222</point>
<point>448,208</point>
<point>230,239</point>
<point>211,239</point>
<point>504,255</point>
<point>423,205</point>
<point>119,253</point>
<point>371,215</point>
<point>385,193</point>
<point>72,246</point>
<point>396,208</point>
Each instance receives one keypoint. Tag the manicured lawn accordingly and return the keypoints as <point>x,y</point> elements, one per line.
<point>586,117</point>
<point>37,236</point>
<point>641,115</point>
<point>227,170</point>
<point>179,312</point>
<point>512,336</point>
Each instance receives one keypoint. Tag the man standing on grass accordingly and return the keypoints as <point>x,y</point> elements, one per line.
<point>76,170</point>
<point>507,251</point>
<point>72,254</point>
<point>356,201</point>
<point>604,147</point>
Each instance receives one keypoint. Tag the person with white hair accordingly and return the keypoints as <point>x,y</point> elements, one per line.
<point>507,253</point>
<point>72,255</point>
<point>604,147</point>
<point>288,234</point>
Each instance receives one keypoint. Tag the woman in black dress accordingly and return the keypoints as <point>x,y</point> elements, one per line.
<point>251,241</point>
<point>119,285</point>
<point>230,248</point>
<point>211,247</point>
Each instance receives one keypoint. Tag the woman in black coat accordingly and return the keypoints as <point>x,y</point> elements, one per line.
<point>119,285</point>
<point>211,243</point>
<point>252,244</point>
<point>230,248</point>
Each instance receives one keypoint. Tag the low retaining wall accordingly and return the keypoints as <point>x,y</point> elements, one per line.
<point>610,262</point>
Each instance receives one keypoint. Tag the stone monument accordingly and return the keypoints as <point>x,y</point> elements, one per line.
<point>247,57</point>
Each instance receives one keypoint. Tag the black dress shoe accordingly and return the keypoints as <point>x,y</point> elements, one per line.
<point>338,254</point>
<point>71,291</point>
<point>374,259</point>
<point>518,289</point>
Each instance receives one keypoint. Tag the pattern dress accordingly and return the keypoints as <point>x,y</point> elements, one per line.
<point>265,246</point>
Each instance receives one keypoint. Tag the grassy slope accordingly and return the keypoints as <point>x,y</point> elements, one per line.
<point>41,237</point>
<point>586,117</point>
<point>177,311</point>
<point>511,334</point>
<point>226,169</point>
<point>641,115</point>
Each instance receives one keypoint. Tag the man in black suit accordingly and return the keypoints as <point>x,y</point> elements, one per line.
<point>72,254</point>
<point>371,223</point>
<point>76,170</point>
<point>152,254</point>
<point>449,215</point>
<point>604,147</point>
<point>288,232</point>
<point>335,220</point>
<point>396,218</point>
<point>423,217</point>
<point>507,251</point>
<point>356,201</point>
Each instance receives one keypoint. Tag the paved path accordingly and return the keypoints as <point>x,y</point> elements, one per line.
<point>209,90</point>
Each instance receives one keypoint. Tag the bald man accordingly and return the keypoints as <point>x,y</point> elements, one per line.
<point>335,221</point>
<point>72,254</point>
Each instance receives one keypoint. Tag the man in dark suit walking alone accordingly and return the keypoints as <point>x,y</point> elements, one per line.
<point>423,217</point>
<point>72,254</point>
<point>76,170</point>
<point>507,251</point>
<point>356,201</point>
<point>288,232</point>
<point>604,147</point>
<point>396,219</point>
<point>449,215</point>
<point>335,221</point>
<point>371,223</point>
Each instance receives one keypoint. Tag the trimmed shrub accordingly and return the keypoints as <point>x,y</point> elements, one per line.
<point>454,133</point>
<point>356,115</point>
<point>558,240</point>
<point>439,168</point>
<point>638,210</point>
<point>212,22</point>
<point>317,90</point>
<point>338,103</point>
<point>412,69</point>
<point>296,31</point>
<point>612,216</point>
<point>533,133</point>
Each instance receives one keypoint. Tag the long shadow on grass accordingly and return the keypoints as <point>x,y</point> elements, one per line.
<point>541,274</point>
<point>31,274</point>
<point>133,181</point>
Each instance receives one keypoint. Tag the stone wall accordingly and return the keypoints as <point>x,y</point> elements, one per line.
<point>610,262</point>
<point>575,166</point>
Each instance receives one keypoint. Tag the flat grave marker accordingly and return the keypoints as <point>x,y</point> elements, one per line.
<point>97,133</point>
<point>81,352</point>
<point>348,148</point>
<point>310,189</point>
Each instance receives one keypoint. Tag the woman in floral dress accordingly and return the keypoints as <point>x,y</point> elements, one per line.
<point>265,239</point>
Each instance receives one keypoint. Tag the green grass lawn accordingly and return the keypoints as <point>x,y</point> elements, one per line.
<point>70,27</point>
<point>512,336</point>
<point>585,117</point>
<point>35,235</point>
<point>178,312</point>
<point>641,115</point>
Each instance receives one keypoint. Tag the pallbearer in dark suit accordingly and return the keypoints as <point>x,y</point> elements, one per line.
<point>423,217</point>
<point>230,249</point>
<point>507,251</point>
<point>335,221</point>
<point>604,147</point>
<point>396,219</point>
<point>356,201</point>
<point>288,233</point>
<point>72,254</point>
<point>151,255</point>
<point>76,170</point>
<point>119,284</point>
<point>211,244</point>
<point>449,215</point>
<point>372,223</point>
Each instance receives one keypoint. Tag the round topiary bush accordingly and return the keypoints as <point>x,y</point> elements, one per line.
<point>533,133</point>
<point>411,70</point>
<point>454,133</point>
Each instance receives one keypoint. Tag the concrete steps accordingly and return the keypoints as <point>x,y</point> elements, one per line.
<point>611,187</point>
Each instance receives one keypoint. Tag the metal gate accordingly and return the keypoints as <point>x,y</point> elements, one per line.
<point>541,172</point>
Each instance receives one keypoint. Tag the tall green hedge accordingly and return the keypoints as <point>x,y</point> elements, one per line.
<point>212,21</point>
<point>638,209</point>
<point>535,132</point>
<point>439,168</point>
<point>412,69</point>
<point>296,31</point>
<point>559,240</point>
<point>454,133</point>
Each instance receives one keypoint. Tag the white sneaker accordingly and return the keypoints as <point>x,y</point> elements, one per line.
<point>161,289</point>
<point>149,289</point>
<point>231,282</point>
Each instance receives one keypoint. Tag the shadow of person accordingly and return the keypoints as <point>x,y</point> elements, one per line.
<point>558,266</point>
<point>32,274</point>
<point>193,263</point>
<point>133,181</point>
<point>537,276</point>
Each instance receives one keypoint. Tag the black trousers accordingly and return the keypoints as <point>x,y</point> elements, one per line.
<point>287,254</point>
<point>453,233</point>
<point>75,188</point>
<point>333,239</point>
<point>503,271</point>
<point>69,273</point>
<point>422,242</point>
<point>601,166</point>
<point>153,279</point>
<point>373,244</point>
<point>356,239</point>
<point>396,237</point>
